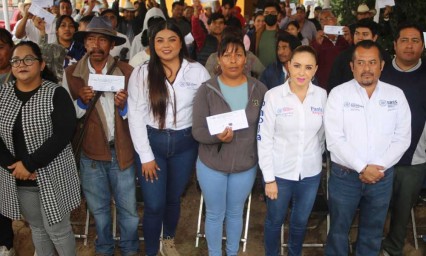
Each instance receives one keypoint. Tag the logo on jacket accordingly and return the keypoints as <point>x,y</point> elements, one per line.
<point>317,111</point>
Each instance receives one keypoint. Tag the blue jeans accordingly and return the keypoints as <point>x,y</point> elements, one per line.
<point>99,180</point>
<point>346,194</point>
<point>302,196</point>
<point>225,195</point>
<point>175,153</point>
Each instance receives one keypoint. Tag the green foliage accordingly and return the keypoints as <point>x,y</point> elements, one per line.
<point>404,10</point>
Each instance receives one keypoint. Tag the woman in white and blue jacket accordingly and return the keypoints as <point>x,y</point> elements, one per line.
<point>290,146</point>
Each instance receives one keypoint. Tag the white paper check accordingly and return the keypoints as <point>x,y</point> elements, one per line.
<point>48,17</point>
<point>106,83</point>
<point>293,8</point>
<point>236,119</point>
<point>333,30</point>
<point>383,3</point>
<point>43,3</point>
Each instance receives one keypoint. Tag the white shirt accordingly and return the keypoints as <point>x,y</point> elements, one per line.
<point>139,59</point>
<point>33,34</point>
<point>361,130</point>
<point>136,45</point>
<point>115,52</point>
<point>291,133</point>
<point>185,86</point>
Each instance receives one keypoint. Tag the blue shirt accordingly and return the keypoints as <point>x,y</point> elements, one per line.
<point>235,96</point>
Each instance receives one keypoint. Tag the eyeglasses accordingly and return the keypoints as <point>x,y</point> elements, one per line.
<point>28,61</point>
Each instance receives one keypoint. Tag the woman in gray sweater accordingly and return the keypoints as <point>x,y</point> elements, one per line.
<point>227,163</point>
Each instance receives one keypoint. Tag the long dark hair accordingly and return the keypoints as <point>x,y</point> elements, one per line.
<point>46,74</point>
<point>158,93</point>
<point>63,17</point>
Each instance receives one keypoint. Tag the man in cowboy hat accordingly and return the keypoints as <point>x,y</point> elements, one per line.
<point>129,25</point>
<point>364,12</point>
<point>25,28</point>
<point>107,158</point>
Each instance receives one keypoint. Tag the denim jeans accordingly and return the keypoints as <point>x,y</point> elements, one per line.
<point>302,195</point>
<point>47,239</point>
<point>346,194</point>
<point>225,195</point>
<point>408,181</point>
<point>101,180</point>
<point>175,153</point>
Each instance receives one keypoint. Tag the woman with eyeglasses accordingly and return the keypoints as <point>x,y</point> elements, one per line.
<point>6,45</point>
<point>227,162</point>
<point>38,175</point>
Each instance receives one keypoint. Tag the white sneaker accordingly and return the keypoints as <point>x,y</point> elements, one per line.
<point>169,248</point>
<point>5,252</point>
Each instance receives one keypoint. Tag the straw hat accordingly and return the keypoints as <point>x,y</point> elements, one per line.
<point>128,6</point>
<point>99,25</point>
<point>363,8</point>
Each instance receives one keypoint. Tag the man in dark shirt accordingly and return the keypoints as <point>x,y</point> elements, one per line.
<point>341,72</point>
<point>178,19</point>
<point>408,72</point>
<point>230,20</point>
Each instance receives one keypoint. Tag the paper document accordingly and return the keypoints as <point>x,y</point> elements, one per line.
<point>236,119</point>
<point>293,8</point>
<point>307,3</point>
<point>333,30</point>
<point>383,3</point>
<point>43,3</point>
<point>48,17</point>
<point>106,83</point>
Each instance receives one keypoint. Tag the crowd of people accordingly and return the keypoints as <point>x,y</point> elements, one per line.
<point>298,94</point>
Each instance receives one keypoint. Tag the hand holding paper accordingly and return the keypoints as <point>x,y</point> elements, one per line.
<point>236,120</point>
<point>333,30</point>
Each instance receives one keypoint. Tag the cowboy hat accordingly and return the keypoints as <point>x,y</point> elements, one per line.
<point>99,25</point>
<point>363,8</point>
<point>21,6</point>
<point>128,6</point>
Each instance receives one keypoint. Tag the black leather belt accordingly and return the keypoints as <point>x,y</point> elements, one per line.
<point>342,167</point>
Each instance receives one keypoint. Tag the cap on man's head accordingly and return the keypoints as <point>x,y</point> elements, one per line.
<point>363,8</point>
<point>99,25</point>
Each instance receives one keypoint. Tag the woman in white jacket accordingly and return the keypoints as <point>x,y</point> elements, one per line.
<point>161,95</point>
<point>290,146</point>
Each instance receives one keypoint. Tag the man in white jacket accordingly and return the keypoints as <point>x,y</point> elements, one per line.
<point>368,129</point>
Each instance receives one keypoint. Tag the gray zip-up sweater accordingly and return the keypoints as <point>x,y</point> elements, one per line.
<point>241,153</point>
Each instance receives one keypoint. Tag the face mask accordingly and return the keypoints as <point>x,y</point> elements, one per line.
<point>270,19</point>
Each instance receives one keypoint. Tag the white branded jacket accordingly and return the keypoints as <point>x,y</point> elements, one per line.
<point>361,130</point>
<point>290,138</point>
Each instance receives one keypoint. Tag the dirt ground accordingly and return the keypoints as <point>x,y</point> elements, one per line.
<point>187,229</point>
